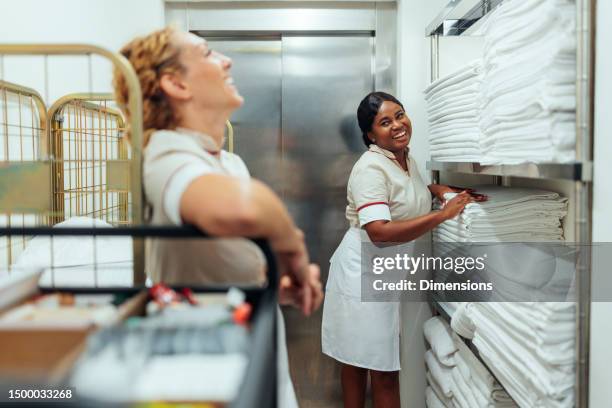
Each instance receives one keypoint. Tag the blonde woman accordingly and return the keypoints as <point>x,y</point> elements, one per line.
<point>188,94</point>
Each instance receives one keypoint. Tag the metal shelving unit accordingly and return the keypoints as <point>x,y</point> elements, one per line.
<point>457,17</point>
<point>579,172</point>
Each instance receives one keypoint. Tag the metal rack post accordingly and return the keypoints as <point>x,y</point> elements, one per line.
<point>585,69</point>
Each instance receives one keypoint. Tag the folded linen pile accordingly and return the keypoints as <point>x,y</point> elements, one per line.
<point>452,107</point>
<point>510,215</point>
<point>455,376</point>
<point>529,346</point>
<point>527,111</point>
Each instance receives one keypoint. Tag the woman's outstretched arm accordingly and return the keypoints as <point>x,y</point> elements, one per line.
<point>228,206</point>
<point>409,230</point>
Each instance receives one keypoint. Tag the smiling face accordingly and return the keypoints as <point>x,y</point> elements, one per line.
<point>207,74</point>
<point>391,128</point>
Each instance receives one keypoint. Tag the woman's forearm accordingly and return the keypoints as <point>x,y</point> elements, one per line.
<point>229,206</point>
<point>404,230</point>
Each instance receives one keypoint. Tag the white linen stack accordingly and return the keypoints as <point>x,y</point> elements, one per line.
<point>455,377</point>
<point>452,108</point>
<point>509,215</point>
<point>528,101</point>
<point>529,346</point>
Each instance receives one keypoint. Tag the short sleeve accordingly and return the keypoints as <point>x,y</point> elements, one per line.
<point>370,195</point>
<point>166,177</point>
<point>177,184</point>
<point>235,165</point>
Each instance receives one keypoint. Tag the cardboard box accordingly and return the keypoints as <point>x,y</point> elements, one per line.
<point>46,354</point>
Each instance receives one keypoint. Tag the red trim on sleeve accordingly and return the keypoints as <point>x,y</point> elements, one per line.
<point>369,204</point>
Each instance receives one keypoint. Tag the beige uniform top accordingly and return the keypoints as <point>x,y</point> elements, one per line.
<point>172,160</point>
<point>379,189</point>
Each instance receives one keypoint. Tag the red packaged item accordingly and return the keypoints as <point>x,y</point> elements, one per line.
<point>163,295</point>
<point>242,314</point>
<point>188,294</point>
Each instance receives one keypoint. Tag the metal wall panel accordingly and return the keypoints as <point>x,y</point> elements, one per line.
<point>257,124</point>
<point>386,47</point>
<point>324,78</point>
<point>275,16</point>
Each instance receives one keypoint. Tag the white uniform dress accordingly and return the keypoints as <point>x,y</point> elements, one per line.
<point>172,160</point>
<point>366,334</point>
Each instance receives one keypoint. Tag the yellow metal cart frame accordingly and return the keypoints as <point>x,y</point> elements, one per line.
<point>17,179</point>
<point>89,155</point>
<point>30,128</point>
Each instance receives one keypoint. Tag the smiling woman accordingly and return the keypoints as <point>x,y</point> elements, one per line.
<point>387,202</point>
<point>188,95</point>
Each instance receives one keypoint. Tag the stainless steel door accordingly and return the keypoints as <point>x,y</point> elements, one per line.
<point>257,124</point>
<point>324,78</point>
<point>298,132</point>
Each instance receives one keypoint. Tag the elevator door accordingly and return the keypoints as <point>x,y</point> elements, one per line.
<point>256,69</point>
<point>297,131</point>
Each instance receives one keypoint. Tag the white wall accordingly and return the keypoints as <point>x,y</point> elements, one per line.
<point>413,77</point>
<point>107,23</point>
<point>601,313</point>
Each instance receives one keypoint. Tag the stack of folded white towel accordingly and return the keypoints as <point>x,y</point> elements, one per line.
<point>529,346</point>
<point>455,377</point>
<point>528,83</point>
<point>452,108</point>
<point>509,215</point>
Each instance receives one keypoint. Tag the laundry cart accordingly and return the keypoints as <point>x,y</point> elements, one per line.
<point>72,272</point>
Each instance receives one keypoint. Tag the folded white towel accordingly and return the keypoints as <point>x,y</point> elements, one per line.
<point>441,373</point>
<point>437,389</point>
<point>463,391</point>
<point>439,335</point>
<point>470,70</point>
<point>461,322</point>
<point>432,400</point>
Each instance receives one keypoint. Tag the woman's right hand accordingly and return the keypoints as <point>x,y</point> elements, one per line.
<point>455,205</point>
<point>300,283</point>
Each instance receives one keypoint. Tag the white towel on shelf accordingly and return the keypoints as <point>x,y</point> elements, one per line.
<point>432,400</point>
<point>528,83</point>
<point>554,381</point>
<point>461,322</point>
<point>437,389</point>
<point>439,336</point>
<point>463,392</point>
<point>470,70</point>
<point>439,372</point>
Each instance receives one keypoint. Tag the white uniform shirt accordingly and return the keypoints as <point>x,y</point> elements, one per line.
<point>172,161</point>
<point>379,189</point>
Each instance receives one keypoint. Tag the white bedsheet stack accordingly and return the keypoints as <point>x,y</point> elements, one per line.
<point>80,261</point>
<point>452,108</point>
<point>529,346</point>
<point>455,377</point>
<point>528,84</point>
<point>510,215</point>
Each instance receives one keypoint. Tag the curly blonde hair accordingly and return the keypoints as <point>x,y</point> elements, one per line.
<point>151,56</point>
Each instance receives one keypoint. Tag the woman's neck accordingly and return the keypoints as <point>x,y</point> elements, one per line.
<point>207,121</point>
<point>400,155</point>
